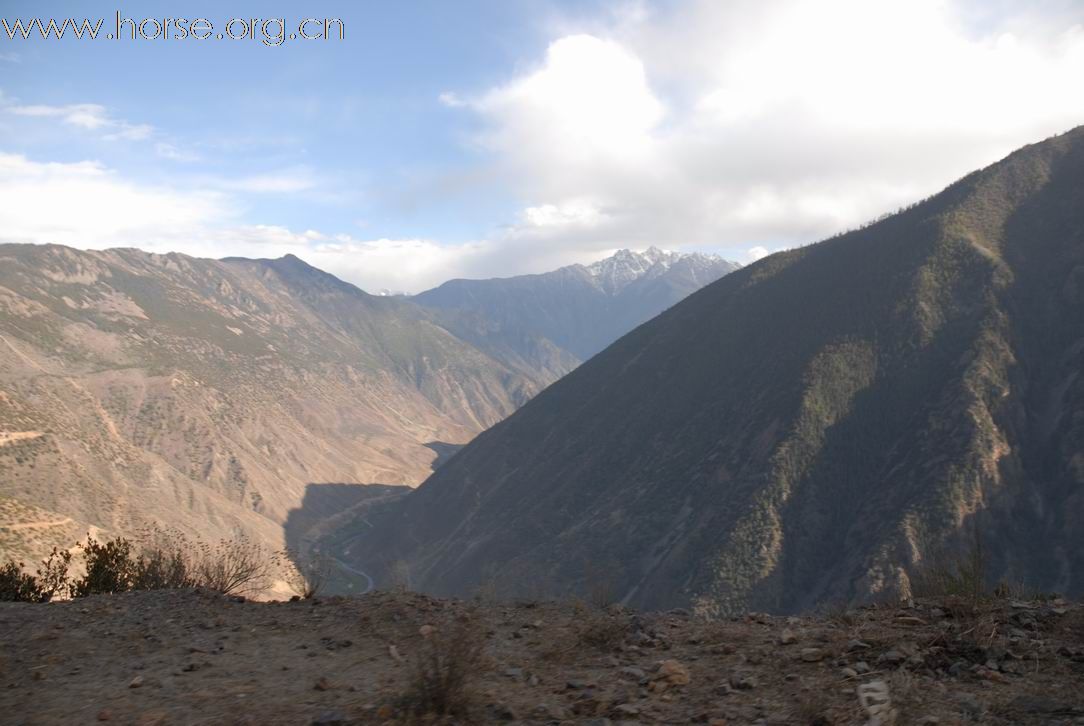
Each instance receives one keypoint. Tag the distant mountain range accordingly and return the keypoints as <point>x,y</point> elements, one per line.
<point>809,429</point>
<point>578,309</point>
<point>209,394</point>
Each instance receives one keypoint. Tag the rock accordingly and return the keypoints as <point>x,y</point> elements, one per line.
<point>105,714</point>
<point>575,684</point>
<point>426,630</point>
<point>743,681</point>
<point>533,681</point>
<point>503,712</point>
<point>849,673</point>
<point>136,682</point>
<point>626,710</point>
<point>637,674</point>
<point>892,657</point>
<point>910,620</point>
<point>854,645</point>
<point>552,711</point>
<point>970,706</point>
<point>323,684</point>
<point>515,674</point>
<point>812,655</point>
<point>672,673</point>
<point>329,718</point>
<point>787,637</point>
<point>862,667</point>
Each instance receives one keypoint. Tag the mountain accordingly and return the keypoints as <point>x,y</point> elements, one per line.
<point>808,429</point>
<point>555,320</point>
<point>207,395</point>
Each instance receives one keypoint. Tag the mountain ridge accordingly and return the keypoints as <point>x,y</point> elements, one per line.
<point>807,429</point>
<point>213,395</point>
<point>577,309</point>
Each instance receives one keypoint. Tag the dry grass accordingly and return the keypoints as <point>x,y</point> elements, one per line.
<point>444,671</point>
<point>307,575</point>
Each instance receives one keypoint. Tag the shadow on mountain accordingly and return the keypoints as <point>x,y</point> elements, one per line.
<point>330,521</point>
<point>325,500</point>
<point>444,451</point>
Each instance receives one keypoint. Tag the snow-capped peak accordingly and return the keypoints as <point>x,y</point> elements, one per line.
<point>626,266</point>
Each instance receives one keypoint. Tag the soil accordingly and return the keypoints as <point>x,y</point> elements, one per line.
<point>196,657</point>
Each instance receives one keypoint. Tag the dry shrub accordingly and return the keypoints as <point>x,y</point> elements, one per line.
<point>307,575</point>
<point>444,669</point>
<point>599,583</point>
<point>233,567</point>
<point>399,576</point>
<point>163,560</point>
<point>961,576</point>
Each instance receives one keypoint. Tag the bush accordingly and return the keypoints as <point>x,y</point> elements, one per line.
<point>52,575</point>
<point>17,586</point>
<point>110,568</point>
<point>444,669</point>
<point>602,630</point>
<point>164,561</point>
<point>233,567</point>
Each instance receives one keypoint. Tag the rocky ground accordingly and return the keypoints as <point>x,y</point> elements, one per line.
<point>191,657</point>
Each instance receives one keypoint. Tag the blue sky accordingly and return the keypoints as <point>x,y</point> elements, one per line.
<point>475,139</point>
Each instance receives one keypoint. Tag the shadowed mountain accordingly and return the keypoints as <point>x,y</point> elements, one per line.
<point>806,429</point>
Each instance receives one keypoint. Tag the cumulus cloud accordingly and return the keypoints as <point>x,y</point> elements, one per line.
<point>90,206</point>
<point>85,204</point>
<point>744,124</point>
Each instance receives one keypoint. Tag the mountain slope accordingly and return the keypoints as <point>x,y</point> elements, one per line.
<point>555,320</point>
<point>206,395</point>
<point>806,429</point>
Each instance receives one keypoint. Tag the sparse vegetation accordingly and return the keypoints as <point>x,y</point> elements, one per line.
<point>444,669</point>
<point>17,586</point>
<point>167,560</point>
<point>961,576</point>
<point>307,575</point>
<point>237,566</point>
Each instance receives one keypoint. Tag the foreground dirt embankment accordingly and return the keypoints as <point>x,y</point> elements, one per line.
<point>190,657</point>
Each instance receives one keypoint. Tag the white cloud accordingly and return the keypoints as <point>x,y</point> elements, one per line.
<point>757,253</point>
<point>10,58</point>
<point>174,153</point>
<point>450,100</point>
<point>85,204</point>
<point>745,124</point>
<point>87,116</point>
<point>89,206</point>
<point>575,214</point>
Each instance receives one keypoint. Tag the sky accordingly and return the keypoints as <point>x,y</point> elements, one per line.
<point>478,139</point>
